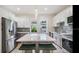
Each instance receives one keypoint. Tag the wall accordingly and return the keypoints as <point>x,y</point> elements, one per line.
<point>62,16</point>
<point>7,14</point>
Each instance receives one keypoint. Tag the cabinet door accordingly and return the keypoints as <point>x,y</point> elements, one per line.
<point>10,45</point>
<point>23,22</point>
<point>27,22</point>
<point>58,39</point>
<point>18,22</point>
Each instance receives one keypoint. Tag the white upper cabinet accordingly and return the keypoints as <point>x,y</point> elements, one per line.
<point>62,16</point>
<point>23,22</point>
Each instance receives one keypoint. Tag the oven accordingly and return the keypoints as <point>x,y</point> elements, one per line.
<point>67,44</point>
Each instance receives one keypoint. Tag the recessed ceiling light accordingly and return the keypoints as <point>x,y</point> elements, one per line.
<point>18,9</point>
<point>45,9</point>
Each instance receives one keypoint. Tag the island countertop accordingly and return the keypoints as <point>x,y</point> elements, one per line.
<point>36,38</point>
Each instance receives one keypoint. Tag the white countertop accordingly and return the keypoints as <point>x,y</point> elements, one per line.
<point>63,36</point>
<point>67,38</point>
<point>22,32</point>
<point>36,37</point>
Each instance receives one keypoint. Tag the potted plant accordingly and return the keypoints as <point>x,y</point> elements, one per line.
<point>34,29</point>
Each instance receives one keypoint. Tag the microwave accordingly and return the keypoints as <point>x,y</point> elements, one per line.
<point>70,19</point>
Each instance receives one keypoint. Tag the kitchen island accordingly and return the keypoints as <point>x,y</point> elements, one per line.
<point>36,38</point>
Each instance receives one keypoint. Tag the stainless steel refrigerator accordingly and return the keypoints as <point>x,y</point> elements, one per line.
<point>8,35</point>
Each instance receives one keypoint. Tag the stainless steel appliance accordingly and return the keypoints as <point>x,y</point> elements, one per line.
<point>67,44</point>
<point>8,34</point>
<point>70,19</point>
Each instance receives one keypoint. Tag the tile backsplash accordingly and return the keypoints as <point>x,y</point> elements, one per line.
<point>67,29</point>
<point>23,29</point>
<point>64,29</point>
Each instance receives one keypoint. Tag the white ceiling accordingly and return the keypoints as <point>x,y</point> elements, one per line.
<point>30,9</point>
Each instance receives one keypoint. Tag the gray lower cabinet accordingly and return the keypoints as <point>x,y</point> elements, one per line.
<point>57,37</point>
<point>19,35</point>
<point>21,32</point>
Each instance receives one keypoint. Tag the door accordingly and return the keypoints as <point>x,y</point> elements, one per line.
<point>5,33</point>
<point>10,45</point>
